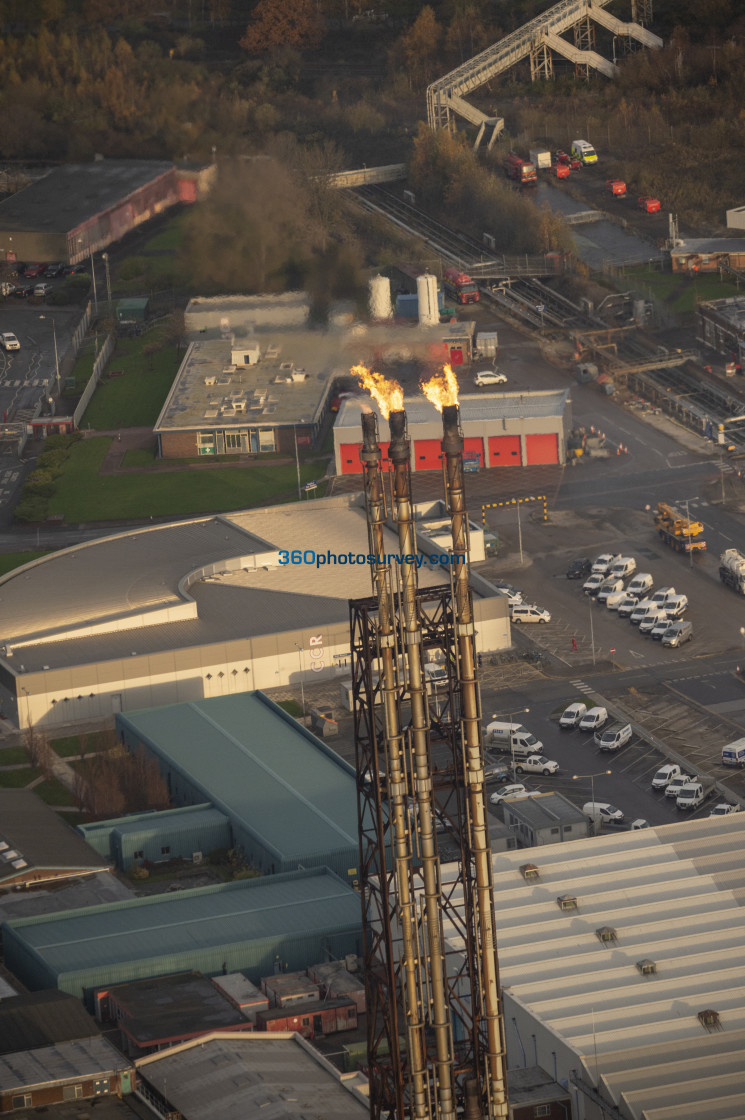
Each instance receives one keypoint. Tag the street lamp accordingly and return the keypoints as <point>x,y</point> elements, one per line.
<point>56,356</point>
<point>105,259</point>
<point>592,629</point>
<point>93,272</point>
<point>592,777</point>
<point>510,715</point>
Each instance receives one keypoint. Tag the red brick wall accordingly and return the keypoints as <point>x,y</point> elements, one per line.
<point>53,1094</point>
<point>179,445</point>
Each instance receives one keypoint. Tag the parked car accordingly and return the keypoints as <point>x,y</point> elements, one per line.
<point>75,269</point>
<point>53,270</point>
<point>489,377</point>
<point>571,716</point>
<point>32,270</point>
<point>495,768</point>
<point>672,787</point>
<point>639,823</point>
<point>665,775</point>
<point>609,586</point>
<point>42,289</point>
<point>723,809</point>
<point>648,623</point>
<point>677,634</point>
<point>627,605</point>
<point>593,583</point>
<point>504,793</point>
<point>23,291</point>
<point>614,737</point>
<point>604,562</point>
<point>514,598</point>
<point>536,764</point>
<point>8,341</point>
<point>594,719</point>
<point>525,613</point>
<point>579,569</point>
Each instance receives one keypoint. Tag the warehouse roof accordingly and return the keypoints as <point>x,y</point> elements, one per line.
<point>480,407</point>
<point>40,840</point>
<point>674,896</point>
<point>250,758</point>
<point>75,192</point>
<point>187,584</point>
<point>277,1077</point>
<point>85,1058</point>
<point>160,934</point>
<point>37,1019</point>
<point>173,1007</point>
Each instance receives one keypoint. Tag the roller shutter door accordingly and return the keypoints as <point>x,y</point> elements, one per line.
<point>427,454</point>
<point>349,458</point>
<point>473,447</point>
<point>542,449</point>
<point>504,451</point>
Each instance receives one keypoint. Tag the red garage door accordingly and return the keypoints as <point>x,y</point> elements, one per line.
<point>427,454</point>
<point>543,448</point>
<point>473,447</point>
<point>349,458</point>
<point>504,451</point>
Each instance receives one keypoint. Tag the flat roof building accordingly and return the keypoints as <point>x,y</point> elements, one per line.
<point>36,846</point>
<point>291,800</point>
<point>720,324</point>
<point>188,833</point>
<point>46,1018</point>
<point>500,430</point>
<point>547,819</point>
<point>195,609</point>
<point>68,1071</point>
<point>252,925</point>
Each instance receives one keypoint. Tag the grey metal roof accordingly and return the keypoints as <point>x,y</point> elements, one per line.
<point>249,757</point>
<point>479,407</point>
<point>75,192</point>
<point>546,810</point>
<point>274,1077</point>
<point>172,1007</point>
<point>188,921</point>
<point>84,1058</point>
<point>40,837</point>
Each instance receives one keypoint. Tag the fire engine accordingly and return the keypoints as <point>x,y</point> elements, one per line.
<point>460,286</point>
<point>519,169</point>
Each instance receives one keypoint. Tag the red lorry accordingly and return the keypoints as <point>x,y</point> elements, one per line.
<point>460,286</point>
<point>519,169</point>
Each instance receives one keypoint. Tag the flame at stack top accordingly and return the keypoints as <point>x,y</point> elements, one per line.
<point>388,394</point>
<point>442,389</point>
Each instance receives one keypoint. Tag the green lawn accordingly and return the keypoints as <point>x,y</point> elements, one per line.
<point>70,745</point>
<point>82,494</point>
<point>11,560</point>
<point>681,293</point>
<point>13,756</point>
<point>135,399</point>
<point>169,238</point>
<point>18,779</point>
<point>139,457</point>
<point>54,793</point>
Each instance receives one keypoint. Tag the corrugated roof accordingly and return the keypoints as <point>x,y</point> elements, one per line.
<point>188,921</point>
<point>481,407</point>
<point>661,892</point>
<point>75,192</point>
<point>276,1078</point>
<point>37,1019</point>
<point>260,767</point>
<point>173,1007</point>
<point>40,837</point>
<point>86,1058</point>
<point>547,810</point>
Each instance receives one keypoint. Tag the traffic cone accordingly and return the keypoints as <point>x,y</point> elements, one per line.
<point>618,449</point>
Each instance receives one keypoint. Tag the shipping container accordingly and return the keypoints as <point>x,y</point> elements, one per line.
<point>313,1020</point>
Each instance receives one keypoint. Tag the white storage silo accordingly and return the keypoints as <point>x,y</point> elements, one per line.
<point>380,298</point>
<point>426,290</point>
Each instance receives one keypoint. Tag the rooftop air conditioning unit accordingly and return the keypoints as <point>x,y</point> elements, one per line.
<point>567,902</point>
<point>529,872</point>
<point>211,380</point>
<point>647,967</point>
<point>710,1019</point>
<point>606,934</point>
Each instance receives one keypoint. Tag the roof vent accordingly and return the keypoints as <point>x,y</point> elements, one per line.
<point>646,966</point>
<point>529,872</point>
<point>567,902</point>
<point>710,1019</point>
<point>210,380</point>
<point>606,934</point>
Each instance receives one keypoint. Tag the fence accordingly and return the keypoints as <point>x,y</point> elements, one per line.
<point>93,380</point>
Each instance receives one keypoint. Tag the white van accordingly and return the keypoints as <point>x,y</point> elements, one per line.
<point>675,606</point>
<point>594,719</point>
<point>663,595</point>
<point>512,737</point>
<point>624,567</point>
<point>734,753</point>
<point>690,796</point>
<point>645,609</point>
<point>571,716</point>
<point>435,673</point>
<point>523,613</point>
<point>640,584</point>
<point>584,151</point>
<point>600,812</point>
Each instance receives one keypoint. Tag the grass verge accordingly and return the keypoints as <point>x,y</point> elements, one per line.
<point>54,793</point>
<point>681,293</point>
<point>83,494</point>
<point>11,560</point>
<point>134,399</point>
<point>18,779</point>
<point>13,756</point>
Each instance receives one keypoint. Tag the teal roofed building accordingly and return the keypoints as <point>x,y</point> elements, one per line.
<point>290,799</point>
<point>190,833</point>
<point>255,926</point>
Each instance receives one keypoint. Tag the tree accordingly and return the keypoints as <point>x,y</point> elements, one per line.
<point>276,24</point>
<point>418,49</point>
